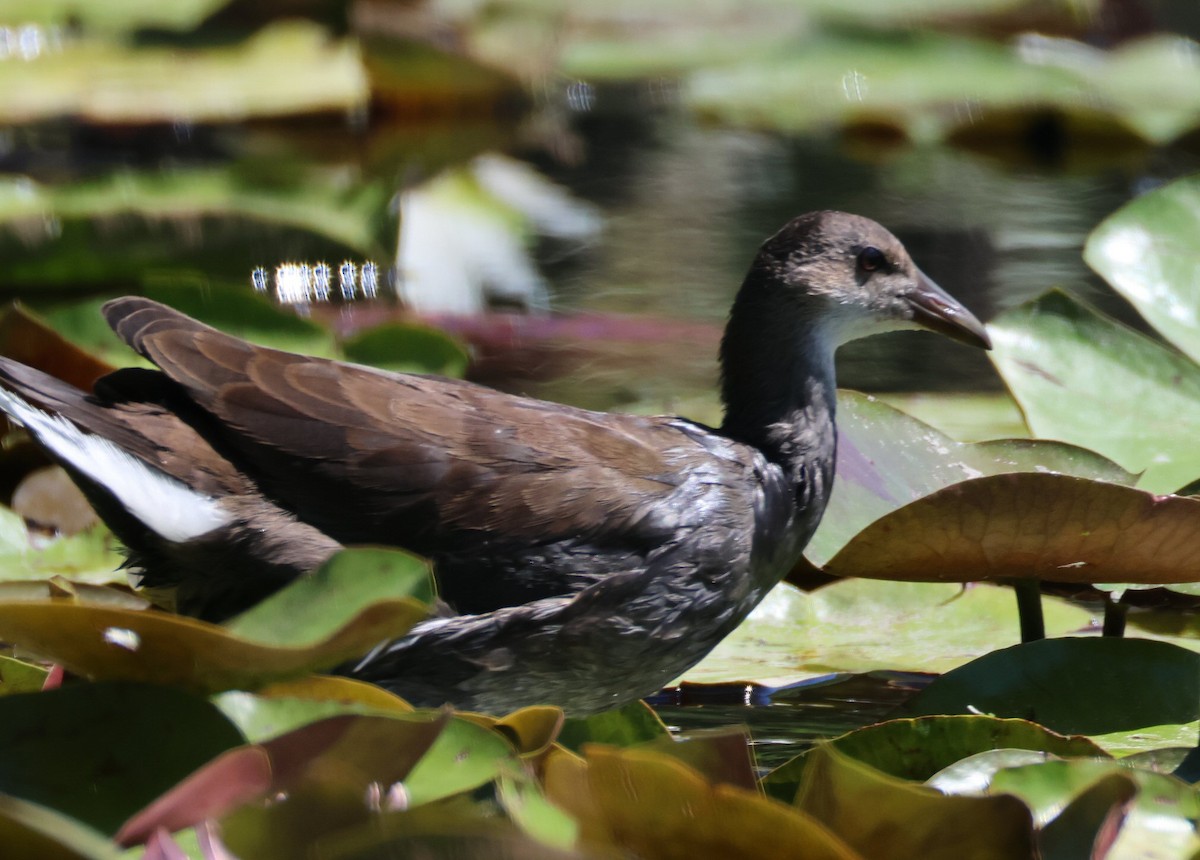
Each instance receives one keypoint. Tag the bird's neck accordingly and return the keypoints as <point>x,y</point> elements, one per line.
<point>778,382</point>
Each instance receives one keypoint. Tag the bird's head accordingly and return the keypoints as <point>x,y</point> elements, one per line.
<point>860,280</point>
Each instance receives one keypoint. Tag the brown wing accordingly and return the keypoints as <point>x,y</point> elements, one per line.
<point>417,461</point>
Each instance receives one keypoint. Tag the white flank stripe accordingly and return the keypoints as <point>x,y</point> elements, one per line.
<point>165,505</point>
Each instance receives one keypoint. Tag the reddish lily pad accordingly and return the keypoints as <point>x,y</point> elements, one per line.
<point>1039,526</point>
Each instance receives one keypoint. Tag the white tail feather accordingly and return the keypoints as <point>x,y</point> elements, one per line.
<point>162,503</point>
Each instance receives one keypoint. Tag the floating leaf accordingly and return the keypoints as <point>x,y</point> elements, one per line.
<point>887,459</point>
<point>720,755</point>
<point>1052,527</point>
<point>408,348</point>
<point>1149,738</point>
<point>1046,787</point>
<point>353,580</point>
<point>99,752</point>
<point>650,805</point>
<point>18,677</point>
<point>628,725</point>
<point>859,625</point>
<point>1129,683</point>
<point>918,749</point>
<point>227,782</point>
<point>90,556</point>
<point>900,81</point>
<point>906,820</point>
<point>128,15</point>
<point>287,67</point>
<point>1063,361</point>
<point>32,830</point>
<point>1145,250</point>
<point>350,768</point>
<point>339,612</point>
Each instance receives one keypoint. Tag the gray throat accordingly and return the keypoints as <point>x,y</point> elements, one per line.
<point>780,392</point>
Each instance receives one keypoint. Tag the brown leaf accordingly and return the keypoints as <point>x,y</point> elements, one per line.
<point>1029,525</point>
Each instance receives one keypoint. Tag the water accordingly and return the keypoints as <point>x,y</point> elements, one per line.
<point>785,722</point>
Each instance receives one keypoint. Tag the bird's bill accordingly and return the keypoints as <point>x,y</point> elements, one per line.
<point>935,309</point>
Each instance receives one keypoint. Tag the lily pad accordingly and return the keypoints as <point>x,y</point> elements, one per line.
<point>340,612</point>
<point>1043,526</point>
<point>1146,251</point>
<point>628,725</point>
<point>117,17</point>
<point>908,820</point>
<point>858,625</point>
<point>90,556</point>
<point>408,348</point>
<point>897,80</point>
<point>887,459</point>
<point>99,752</point>
<point>650,805</point>
<point>1063,361</point>
<point>32,830</point>
<point>918,749</point>
<point>351,768</point>
<point>19,677</point>
<point>1130,683</point>
<point>286,68</point>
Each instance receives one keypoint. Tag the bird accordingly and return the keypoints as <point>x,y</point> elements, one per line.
<point>583,559</point>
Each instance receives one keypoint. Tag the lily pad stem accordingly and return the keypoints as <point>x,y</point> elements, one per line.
<point>1029,609</point>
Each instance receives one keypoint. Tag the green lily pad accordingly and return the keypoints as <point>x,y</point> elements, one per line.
<point>261,718</point>
<point>116,17</point>
<point>1063,361</point>
<point>1074,685</point>
<point>19,677</point>
<point>1153,84</point>
<point>287,67</point>
<point>528,807</point>
<point>1044,786</point>
<point>353,580</point>
<point>90,556</point>
<point>32,830</point>
<point>628,725</point>
<point>1145,250</point>
<point>887,459</point>
<point>1147,738</point>
<point>1086,825</point>
<point>918,749</point>
<point>1052,527</point>
<point>340,612</point>
<point>859,626</point>
<point>98,752</point>
<point>898,80</point>
<point>408,348</point>
<point>907,820</point>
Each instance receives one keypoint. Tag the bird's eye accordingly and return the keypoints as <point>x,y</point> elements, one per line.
<point>871,259</point>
